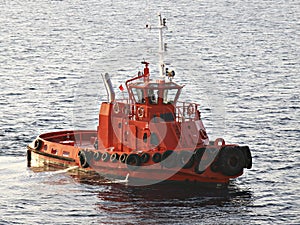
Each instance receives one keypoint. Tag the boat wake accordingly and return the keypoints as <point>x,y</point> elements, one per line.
<point>42,173</point>
<point>125,181</point>
<point>64,171</point>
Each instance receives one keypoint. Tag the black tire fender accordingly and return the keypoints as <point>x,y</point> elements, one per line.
<point>169,159</point>
<point>105,157</point>
<point>97,156</point>
<point>186,159</point>
<point>231,161</point>
<point>156,157</point>
<point>248,158</point>
<point>123,158</point>
<point>197,157</point>
<point>114,157</point>
<point>83,160</point>
<point>145,157</point>
<point>38,143</point>
<point>133,161</point>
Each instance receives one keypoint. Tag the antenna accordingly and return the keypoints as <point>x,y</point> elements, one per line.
<point>162,46</point>
<point>161,50</point>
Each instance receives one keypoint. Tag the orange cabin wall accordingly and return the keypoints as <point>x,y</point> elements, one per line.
<point>104,127</point>
<point>116,130</point>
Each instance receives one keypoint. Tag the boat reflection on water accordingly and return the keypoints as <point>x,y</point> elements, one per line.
<point>121,203</point>
<point>161,192</point>
<point>171,204</point>
<point>167,193</point>
<point>122,191</point>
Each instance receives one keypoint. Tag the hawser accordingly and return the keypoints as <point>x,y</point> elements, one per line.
<point>147,137</point>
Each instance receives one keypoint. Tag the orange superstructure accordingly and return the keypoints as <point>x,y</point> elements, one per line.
<point>147,137</point>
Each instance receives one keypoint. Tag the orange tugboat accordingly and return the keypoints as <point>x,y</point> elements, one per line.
<point>147,138</point>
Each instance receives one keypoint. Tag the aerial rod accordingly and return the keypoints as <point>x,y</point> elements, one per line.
<point>161,50</point>
<point>161,46</point>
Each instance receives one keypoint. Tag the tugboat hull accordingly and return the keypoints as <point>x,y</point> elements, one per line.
<point>63,150</point>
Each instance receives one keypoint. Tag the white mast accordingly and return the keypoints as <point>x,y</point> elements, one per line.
<point>161,49</point>
<point>161,46</point>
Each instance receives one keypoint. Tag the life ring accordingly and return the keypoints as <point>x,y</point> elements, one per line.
<point>156,157</point>
<point>145,157</point>
<point>219,142</point>
<point>191,109</point>
<point>105,157</point>
<point>83,159</point>
<point>133,161</point>
<point>140,112</point>
<point>126,109</point>
<point>97,156</point>
<point>231,161</point>
<point>186,159</point>
<point>116,107</point>
<point>38,143</point>
<point>123,158</point>
<point>169,159</point>
<point>114,157</point>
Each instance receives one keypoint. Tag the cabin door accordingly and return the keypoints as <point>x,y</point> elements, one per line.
<point>129,136</point>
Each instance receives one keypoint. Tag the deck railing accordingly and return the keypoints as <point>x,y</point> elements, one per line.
<point>183,110</point>
<point>78,136</point>
<point>186,111</point>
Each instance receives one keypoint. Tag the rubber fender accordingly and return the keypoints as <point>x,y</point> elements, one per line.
<point>145,157</point>
<point>97,156</point>
<point>231,161</point>
<point>169,159</point>
<point>133,161</point>
<point>38,144</point>
<point>247,154</point>
<point>105,157</point>
<point>28,155</point>
<point>83,159</point>
<point>123,158</point>
<point>186,159</point>
<point>156,157</point>
<point>197,157</point>
<point>114,157</point>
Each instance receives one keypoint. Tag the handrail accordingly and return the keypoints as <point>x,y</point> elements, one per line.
<point>66,133</point>
<point>187,110</point>
<point>183,110</point>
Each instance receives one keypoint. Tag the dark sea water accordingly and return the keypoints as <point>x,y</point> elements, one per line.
<point>238,59</point>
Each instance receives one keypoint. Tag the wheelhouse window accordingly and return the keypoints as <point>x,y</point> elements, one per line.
<point>152,95</point>
<point>170,96</point>
<point>138,94</point>
<point>155,93</point>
